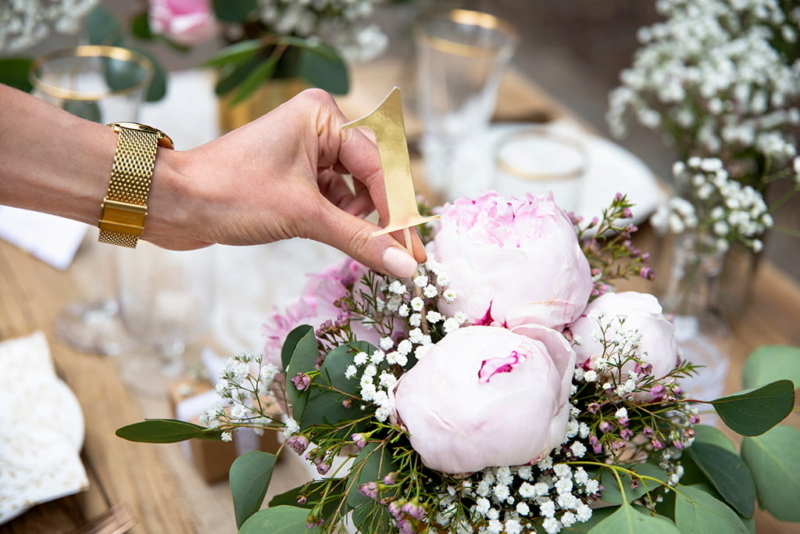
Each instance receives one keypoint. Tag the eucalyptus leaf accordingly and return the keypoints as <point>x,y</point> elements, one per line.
<point>729,475</point>
<point>256,77</point>
<point>321,69</point>
<point>314,491</point>
<point>697,512</point>
<point>629,519</point>
<point>85,109</point>
<point>712,436</point>
<point>770,363</point>
<point>279,520</point>
<point>235,53</point>
<point>304,355</point>
<point>292,339</point>
<point>103,28</point>
<point>234,10</point>
<point>754,411</point>
<point>612,494</point>
<point>14,72</point>
<point>774,459</point>
<point>166,431</point>
<point>158,87</point>
<point>232,75</point>
<point>250,476</point>
<point>372,464</point>
<point>140,27</point>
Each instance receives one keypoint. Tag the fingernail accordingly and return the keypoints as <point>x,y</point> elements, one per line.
<point>399,262</point>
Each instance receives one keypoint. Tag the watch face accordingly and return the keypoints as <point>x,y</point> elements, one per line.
<point>163,139</point>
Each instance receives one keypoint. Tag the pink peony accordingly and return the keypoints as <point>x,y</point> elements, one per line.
<point>512,262</point>
<point>487,396</point>
<point>187,22</point>
<point>642,312</point>
<point>317,306</point>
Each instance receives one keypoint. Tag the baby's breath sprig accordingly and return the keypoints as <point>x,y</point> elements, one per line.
<point>606,241</point>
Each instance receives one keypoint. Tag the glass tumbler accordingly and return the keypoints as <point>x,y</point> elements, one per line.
<point>461,55</point>
<point>101,84</point>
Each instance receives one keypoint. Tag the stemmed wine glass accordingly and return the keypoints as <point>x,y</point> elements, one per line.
<point>461,55</point>
<point>166,300</point>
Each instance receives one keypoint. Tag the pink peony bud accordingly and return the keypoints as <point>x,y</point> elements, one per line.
<point>187,22</point>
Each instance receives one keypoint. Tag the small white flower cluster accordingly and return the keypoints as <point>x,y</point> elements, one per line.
<point>721,206</point>
<point>410,302</point>
<point>23,23</point>
<point>335,22</point>
<point>243,383</point>
<point>713,78</point>
<point>620,344</point>
<point>508,499</point>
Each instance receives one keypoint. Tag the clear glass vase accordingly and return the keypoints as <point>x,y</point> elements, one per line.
<point>702,333</point>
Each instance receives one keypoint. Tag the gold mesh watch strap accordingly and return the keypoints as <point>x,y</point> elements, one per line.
<point>124,208</point>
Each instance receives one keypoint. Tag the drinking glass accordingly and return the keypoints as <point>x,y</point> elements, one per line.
<point>538,161</point>
<point>461,55</point>
<point>166,300</point>
<point>102,84</point>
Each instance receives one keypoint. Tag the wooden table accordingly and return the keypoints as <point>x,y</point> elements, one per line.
<point>156,480</point>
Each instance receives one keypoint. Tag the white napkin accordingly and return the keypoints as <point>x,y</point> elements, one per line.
<point>42,429</point>
<point>54,240</point>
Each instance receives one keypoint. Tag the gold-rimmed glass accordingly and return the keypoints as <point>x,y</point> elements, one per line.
<point>103,84</point>
<point>461,55</point>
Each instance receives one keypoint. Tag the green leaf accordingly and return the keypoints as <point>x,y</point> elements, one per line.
<point>256,77</point>
<point>292,339</point>
<point>85,109</point>
<point>697,512</point>
<point>372,464</point>
<point>629,519</point>
<point>754,411</point>
<point>234,54</point>
<point>234,10</point>
<point>598,515</point>
<point>712,436</point>
<point>331,388</point>
<point>323,68</point>
<point>14,72</point>
<point>166,431</point>
<point>729,475</point>
<point>158,87</point>
<point>232,75</point>
<point>103,28</point>
<point>140,27</point>
<point>770,363</point>
<point>249,477</point>
<point>333,488</point>
<point>279,520</point>
<point>774,459</point>
<point>304,355</point>
<point>612,494</point>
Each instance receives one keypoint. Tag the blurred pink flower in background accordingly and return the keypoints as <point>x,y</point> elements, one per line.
<point>187,22</point>
<point>487,396</point>
<point>512,262</point>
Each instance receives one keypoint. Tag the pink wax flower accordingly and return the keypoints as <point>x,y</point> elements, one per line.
<point>512,262</point>
<point>641,312</point>
<point>487,396</point>
<point>317,306</point>
<point>187,22</point>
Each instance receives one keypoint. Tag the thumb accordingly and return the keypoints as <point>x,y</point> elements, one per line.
<point>353,236</point>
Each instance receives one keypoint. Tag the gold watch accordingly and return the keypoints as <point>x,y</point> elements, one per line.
<point>124,208</point>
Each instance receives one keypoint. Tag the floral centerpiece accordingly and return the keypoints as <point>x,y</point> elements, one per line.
<point>506,388</point>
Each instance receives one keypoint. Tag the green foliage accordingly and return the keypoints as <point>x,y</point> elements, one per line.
<point>712,436</point>
<point>279,520</point>
<point>771,363</point>
<point>304,354</point>
<point>255,78</point>
<point>774,459</point>
<point>234,10</point>
<point>14,72</point>
<point>166,431</point>
<point>371,465</point>
<point>612,493</point>
<point>598,515</point>
<point>250,476</point>
<point>697,512</point>
<point>140,27</point>
<point>754,411</point>
<point>729,475</point>
<point>232,75</point>
<point>322,67</point>
<point>292,340</point>
<point>234,54</point>
<point>158,87</point>
<point>103,28</point>
<point>629,519</point>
